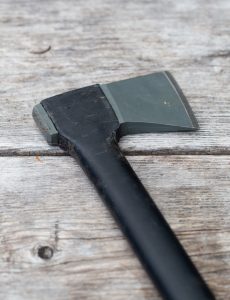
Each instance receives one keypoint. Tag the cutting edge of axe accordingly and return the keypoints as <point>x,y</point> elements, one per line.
<point>87,123</point>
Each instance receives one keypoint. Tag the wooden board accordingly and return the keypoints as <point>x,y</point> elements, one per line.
<point>47,201</point>
<point>48,47</point>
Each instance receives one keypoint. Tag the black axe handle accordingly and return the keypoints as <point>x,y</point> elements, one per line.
<point>86,126</point>
<point>143,224</point>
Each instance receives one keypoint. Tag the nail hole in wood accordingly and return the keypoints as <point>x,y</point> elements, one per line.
<point>45,252</point>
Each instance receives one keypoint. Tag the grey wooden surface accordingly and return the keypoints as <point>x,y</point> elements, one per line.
<point>101,41</point>
<point>48,47</point>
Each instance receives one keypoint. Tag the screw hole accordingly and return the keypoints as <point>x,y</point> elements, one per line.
<point>45,252</point>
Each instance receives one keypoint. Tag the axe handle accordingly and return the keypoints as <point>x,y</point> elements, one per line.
<point>142,223</point>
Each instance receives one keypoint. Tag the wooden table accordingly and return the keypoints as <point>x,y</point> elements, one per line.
<point>58,241</point>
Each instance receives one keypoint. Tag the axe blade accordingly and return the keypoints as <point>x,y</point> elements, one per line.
<point>150,103</point>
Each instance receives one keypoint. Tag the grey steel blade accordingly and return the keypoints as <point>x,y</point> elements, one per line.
<point>151,103</point>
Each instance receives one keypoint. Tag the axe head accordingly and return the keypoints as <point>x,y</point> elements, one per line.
<point>150,103</point>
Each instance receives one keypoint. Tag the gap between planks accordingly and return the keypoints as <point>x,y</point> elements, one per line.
<point>162,152</point>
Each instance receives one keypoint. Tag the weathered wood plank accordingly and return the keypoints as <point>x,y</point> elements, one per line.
<point>47,201</point>
<point>48,47</point>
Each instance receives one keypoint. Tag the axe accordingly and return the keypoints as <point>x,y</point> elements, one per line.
<point>88,123</point>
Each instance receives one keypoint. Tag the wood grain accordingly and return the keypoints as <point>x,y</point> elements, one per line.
<point>47,201</point>
<point>48,47</point>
